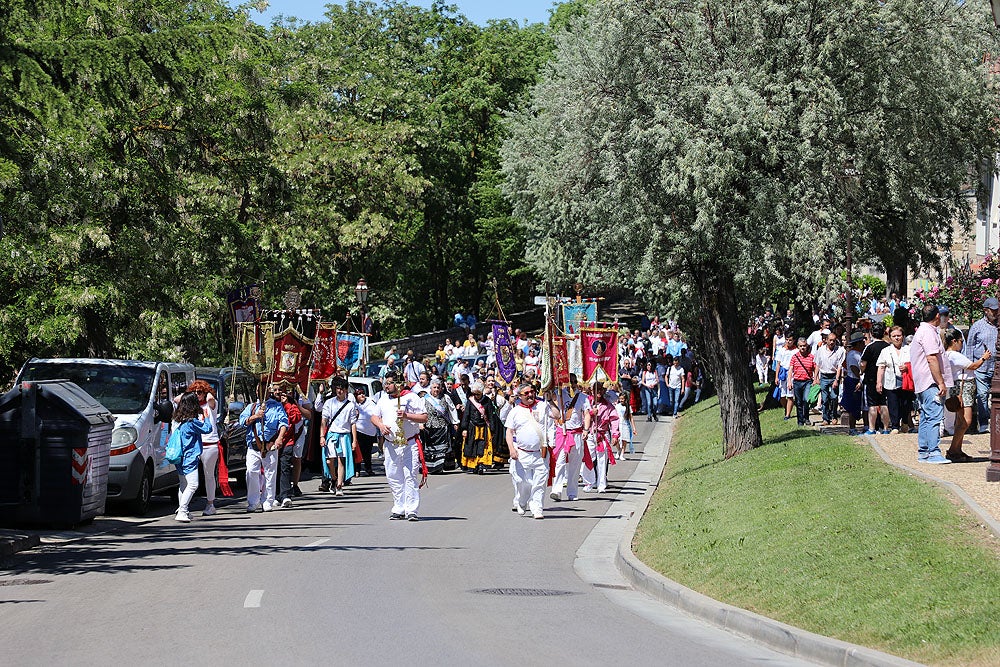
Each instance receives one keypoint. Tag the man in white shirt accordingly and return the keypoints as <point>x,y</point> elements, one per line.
<point>339,434</point>
<point>402,459</point>
<point>529,429</point>
<point>818,337</point>
<point>412,369</point>
<point>830,365</point>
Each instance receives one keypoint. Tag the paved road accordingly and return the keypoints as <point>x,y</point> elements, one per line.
<point>333,579</point>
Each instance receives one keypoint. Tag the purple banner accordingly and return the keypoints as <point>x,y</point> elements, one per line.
<point>503,345</point>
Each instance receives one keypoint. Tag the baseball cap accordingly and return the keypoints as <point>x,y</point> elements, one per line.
<point>944,309</point>
<point>992,303</point>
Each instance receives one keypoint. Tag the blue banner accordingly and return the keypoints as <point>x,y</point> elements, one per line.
<point>349,350</point>
<point>576,315</point>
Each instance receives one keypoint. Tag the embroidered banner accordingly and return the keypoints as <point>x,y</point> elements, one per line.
<point>292,352</point>
<point>324,355</point>
<point>599,349</point>
<point>244,305</point>
<point>350,349</point>
<point>503,345</point>
<point>575,359</point>
<point>256,347</point>
<point>576,315</point>
<point>557,371</point>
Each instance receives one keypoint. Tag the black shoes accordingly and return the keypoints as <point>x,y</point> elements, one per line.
<point>395,516</point>
<point>412,517</point>
<point>296,491</point>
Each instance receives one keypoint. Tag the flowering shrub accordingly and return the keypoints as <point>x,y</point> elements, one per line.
<point>964,291</point>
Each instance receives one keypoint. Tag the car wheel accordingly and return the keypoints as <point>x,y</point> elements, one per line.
<point>140,505</point>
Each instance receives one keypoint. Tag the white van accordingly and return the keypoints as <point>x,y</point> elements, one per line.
<point>140,394</point>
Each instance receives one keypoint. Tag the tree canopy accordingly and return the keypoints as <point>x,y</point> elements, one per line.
<point>156,155</point>
<point>725,151</point>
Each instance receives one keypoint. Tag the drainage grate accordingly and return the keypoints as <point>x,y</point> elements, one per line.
<point>23,582</point>
<point>522,592</point>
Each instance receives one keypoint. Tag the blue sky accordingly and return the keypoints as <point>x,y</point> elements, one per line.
<point>480,11</point>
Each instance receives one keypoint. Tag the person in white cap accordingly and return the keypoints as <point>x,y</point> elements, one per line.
<point>529,429</point>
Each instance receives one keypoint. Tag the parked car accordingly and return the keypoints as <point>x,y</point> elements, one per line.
<point>140,395</point>
<point>233,388</point>
<point>471,360</point>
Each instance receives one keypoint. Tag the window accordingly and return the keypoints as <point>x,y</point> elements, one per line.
<point>121,389</point>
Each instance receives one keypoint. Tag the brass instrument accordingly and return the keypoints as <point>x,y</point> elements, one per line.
<point>400,435</point>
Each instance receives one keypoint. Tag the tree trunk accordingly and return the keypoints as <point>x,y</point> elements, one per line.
<point>725,353</point>
<point>895,277</point>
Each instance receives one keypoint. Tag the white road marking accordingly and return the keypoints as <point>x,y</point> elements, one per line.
<point>318,543</point>
<point>253,599</point>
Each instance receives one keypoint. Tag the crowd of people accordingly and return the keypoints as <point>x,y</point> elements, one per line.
<point>450,414</point>
<point>920,373</point>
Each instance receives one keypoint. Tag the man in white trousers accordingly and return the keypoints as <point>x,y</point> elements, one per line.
<point>602,441</point>
<point>266,423</point>
<point>572,426</point>
<point>529,427</point>
<point>403,466</point>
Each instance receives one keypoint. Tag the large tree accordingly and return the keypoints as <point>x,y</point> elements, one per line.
<point>708,154</point>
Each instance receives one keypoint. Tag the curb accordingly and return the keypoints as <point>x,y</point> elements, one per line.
<point>779,636</point>
<point>12,544</point>
<point>985,516</point>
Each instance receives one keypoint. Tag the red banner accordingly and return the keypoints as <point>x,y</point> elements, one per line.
<point>599,349</point>
<point>324,361</point>
<point>560,361</point>
<point>291,359</point>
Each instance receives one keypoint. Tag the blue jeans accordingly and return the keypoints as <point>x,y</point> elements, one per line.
<point>829,395</point>
<point>649,402</point>
<point>675,398</point>
<point>982,410</point>
<point>800,389</point>
<point>928,431</point>
<point>686,395</point>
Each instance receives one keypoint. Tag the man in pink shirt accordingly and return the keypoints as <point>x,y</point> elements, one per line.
<point>931,379</point>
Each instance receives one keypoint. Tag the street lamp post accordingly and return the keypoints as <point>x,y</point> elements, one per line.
<point>993,471</point>
<point>361,294</point>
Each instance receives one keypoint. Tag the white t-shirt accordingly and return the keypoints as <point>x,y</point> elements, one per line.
<point>675,376</point>
<point>892,360</point>
<point>816,338</point>
<point>209,415</point>
<point>853,359</point>
<point>959,362</point>
<point>365,412</point>
<point>576,415</point>
<point>784,357</point>
<point>386,410</point>
<point>345,416</point>
<point>529,426</point>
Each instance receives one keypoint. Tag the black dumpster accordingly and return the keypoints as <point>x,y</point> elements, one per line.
<point>54,445</point>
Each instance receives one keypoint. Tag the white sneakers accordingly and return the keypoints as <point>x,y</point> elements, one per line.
<point>286,503</point>
<point>182,516</point>
<point>269,506</point>
<point>555,496</point>
<point>538,515</point>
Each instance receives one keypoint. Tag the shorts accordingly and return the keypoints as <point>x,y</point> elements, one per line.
<point>967,390</point>
<point>872,397</point>
<point>300,444</point>
<point>337,446</point>
<point>786,392</point>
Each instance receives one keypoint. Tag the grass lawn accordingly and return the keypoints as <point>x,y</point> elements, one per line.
<point>816,531</point>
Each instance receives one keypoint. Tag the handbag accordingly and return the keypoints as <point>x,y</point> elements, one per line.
<point>174,454</point>
<point>906,378</point>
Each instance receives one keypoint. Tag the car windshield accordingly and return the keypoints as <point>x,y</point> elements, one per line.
<point>121,389</point>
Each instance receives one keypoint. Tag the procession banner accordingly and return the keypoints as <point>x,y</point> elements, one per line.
<point>244,305</point>
<point>574,357</point>
<point>554,372</point>
<point>503,346</point>
<point>576,315</point>
<point>256,347</point>
<point>324,354</point>
<point>599,349</point>
<point>349,350</point>
<point>292,352</point>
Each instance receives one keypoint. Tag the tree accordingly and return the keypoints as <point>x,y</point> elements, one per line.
<point>726,150</point>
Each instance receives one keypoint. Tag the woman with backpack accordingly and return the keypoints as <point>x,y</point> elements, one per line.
<point>185,442</point>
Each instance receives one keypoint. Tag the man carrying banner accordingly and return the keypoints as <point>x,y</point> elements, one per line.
<point>266,424</point>
<point>529,430</point>
<point>572,425</point>
<point>602,441</point>
<point>398,416</point>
